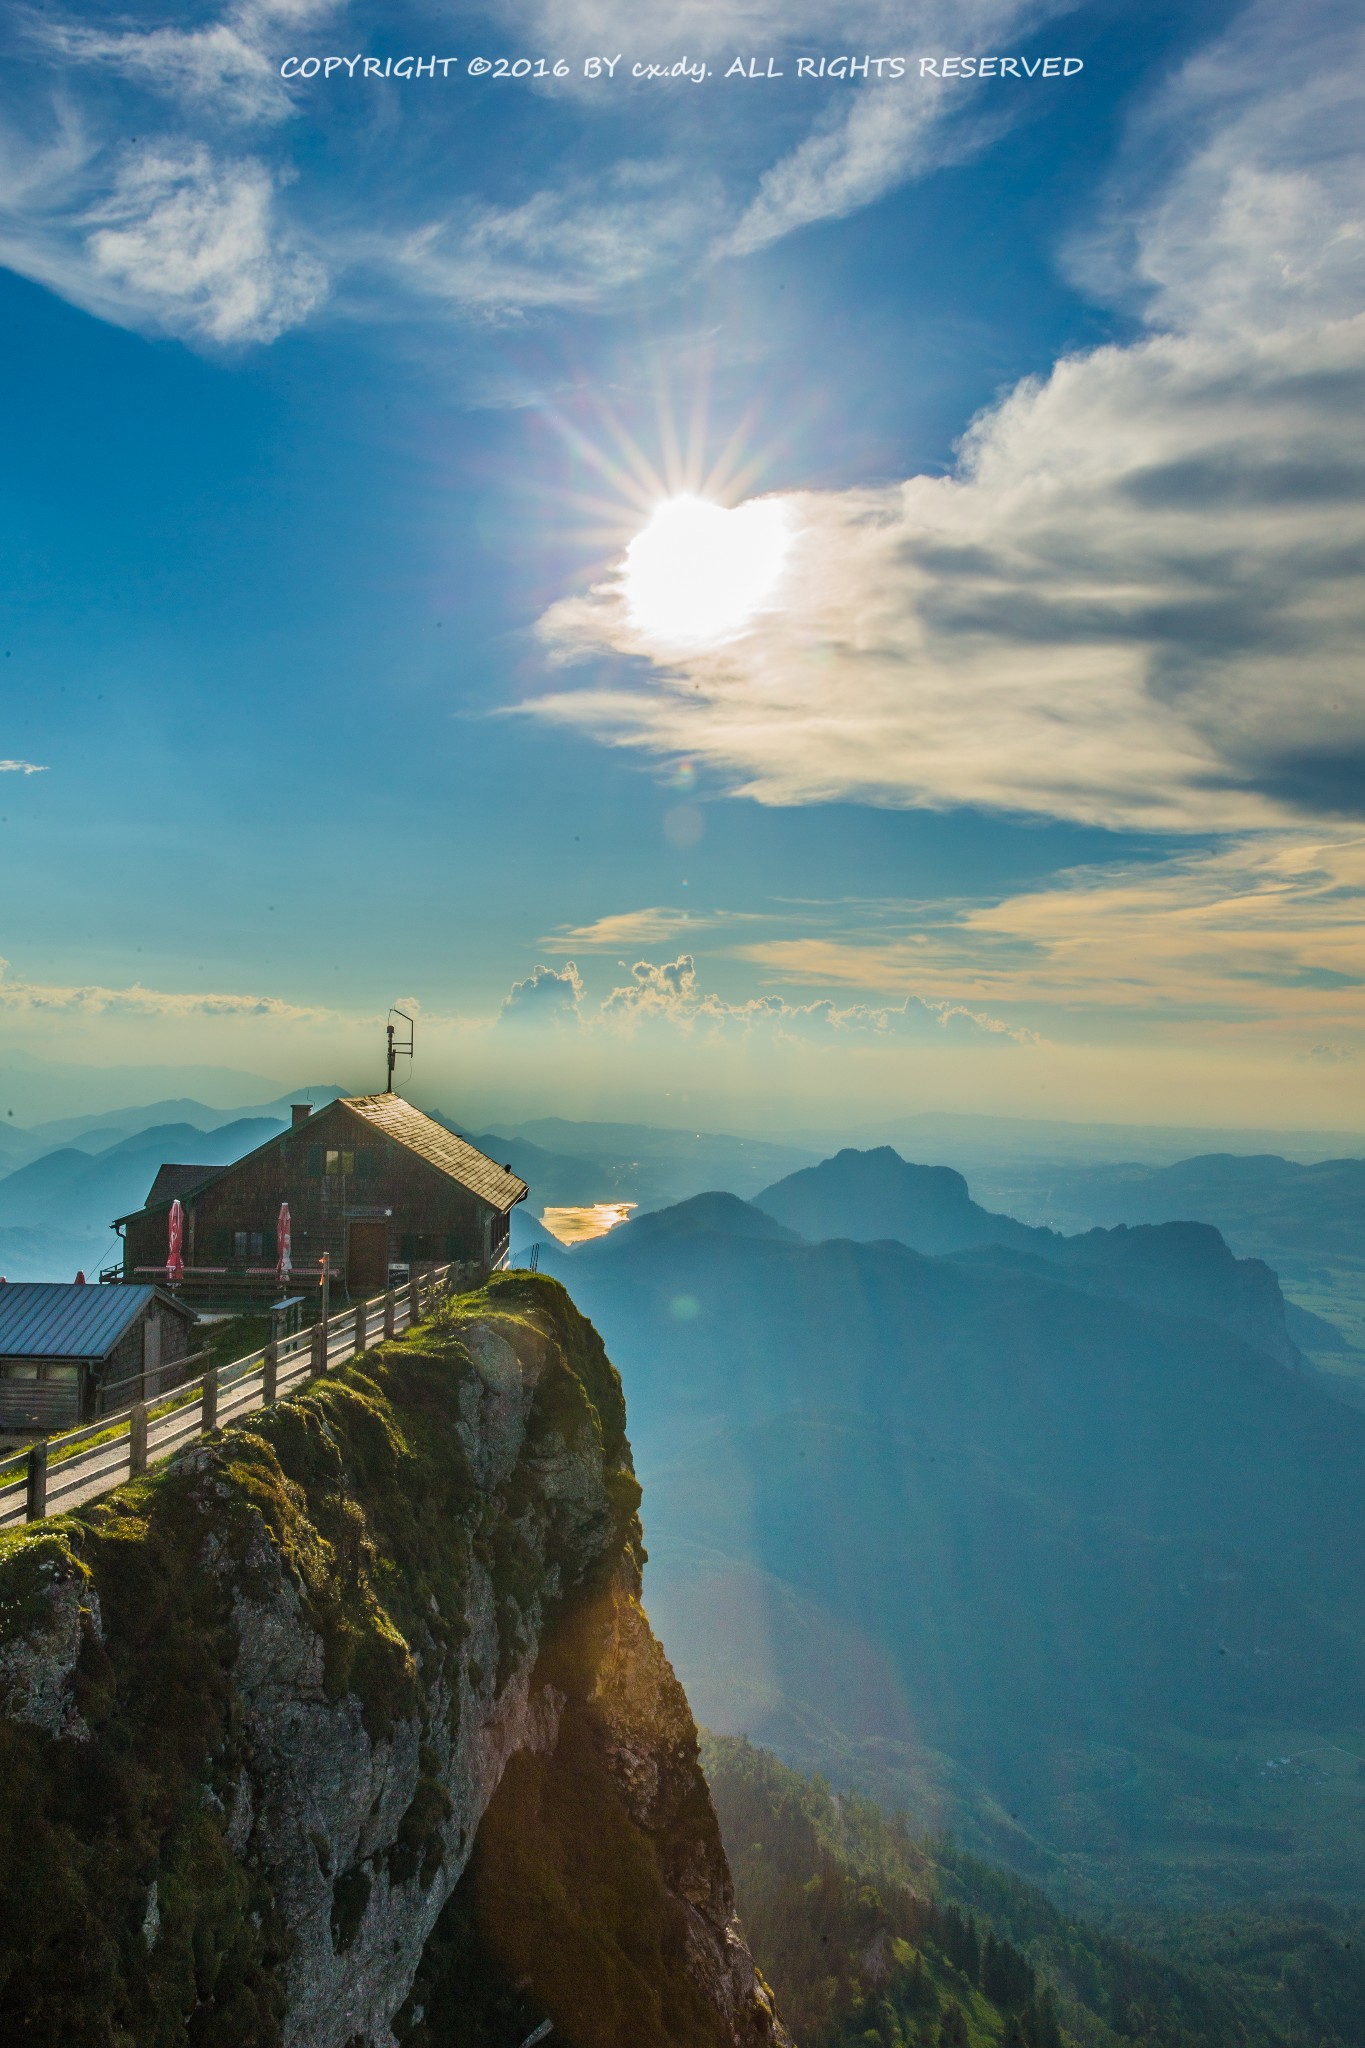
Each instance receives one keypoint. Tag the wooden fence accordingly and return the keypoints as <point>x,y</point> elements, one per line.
<point>67,1471</point>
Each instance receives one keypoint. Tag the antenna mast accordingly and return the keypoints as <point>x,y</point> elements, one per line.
<point>398,1049</point>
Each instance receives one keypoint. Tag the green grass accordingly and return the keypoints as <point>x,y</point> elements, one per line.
<point>235,1337</point>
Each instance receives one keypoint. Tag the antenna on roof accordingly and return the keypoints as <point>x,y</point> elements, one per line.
<point>399,1049</point>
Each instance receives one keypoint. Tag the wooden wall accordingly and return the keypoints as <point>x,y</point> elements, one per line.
<point>433,1219</point>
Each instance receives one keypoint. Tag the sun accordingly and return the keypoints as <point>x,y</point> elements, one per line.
<point>699,572</point>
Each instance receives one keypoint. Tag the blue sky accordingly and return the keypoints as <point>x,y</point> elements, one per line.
<point>1034,782</point>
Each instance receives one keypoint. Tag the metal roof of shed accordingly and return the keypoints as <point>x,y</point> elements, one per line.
<point>455,1157</point>
<point>60,1319</point>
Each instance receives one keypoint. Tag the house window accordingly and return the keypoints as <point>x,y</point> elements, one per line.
<point>248,1244</point>
<point>416,1247</point>
<point>340,1162</point>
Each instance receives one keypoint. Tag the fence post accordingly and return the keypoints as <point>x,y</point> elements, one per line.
<point>151,1358</point>
<point>319,1349</point>
<point>137,1439</point>
<point>414,1299</point>
<point>37,1482</point>
<point>210,1411</point>
<point>270,1368</point>
<point>390,1313</point>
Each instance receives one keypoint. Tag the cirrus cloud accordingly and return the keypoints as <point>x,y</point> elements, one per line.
<point>195,244</point>
<point>229,66</point>
<point>256,263</point>
<point>1259,934</point>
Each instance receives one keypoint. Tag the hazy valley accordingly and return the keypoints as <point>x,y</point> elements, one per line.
<point>1036,1515</point>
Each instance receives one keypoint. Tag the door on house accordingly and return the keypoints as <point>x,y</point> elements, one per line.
<point>367,1257</point>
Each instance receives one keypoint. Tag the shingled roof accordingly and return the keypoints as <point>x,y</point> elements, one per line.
<point>455,1157</point>
<point>175,1182</point>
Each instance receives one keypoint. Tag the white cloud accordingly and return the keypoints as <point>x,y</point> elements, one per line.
<point>865,137</point>
<point>1260,225</point>
<point>666,990</point>
<point>631,928</point>
<point>1139,601</point>
<point>170,233</point>
<point>215,65</point>
<point>569,247</point>
<point>885,134</point>
<point>1255,933</point>
<point>549,995</point>
<point>580,241</point>
<point>668,993</point>
<point>1266,927</point>
<point>194,243</point>
<point>92,999</point>
<point>230,66</point>
<point>22,768</point>
<point>668,206</point>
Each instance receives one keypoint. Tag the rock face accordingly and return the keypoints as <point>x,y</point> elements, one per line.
<point>294,1733</point>
<point>595,1896</point>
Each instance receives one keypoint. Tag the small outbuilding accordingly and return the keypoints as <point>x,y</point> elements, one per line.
<point>69,1352</point>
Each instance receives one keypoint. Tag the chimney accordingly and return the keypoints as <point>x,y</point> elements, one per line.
<point>300,1112</point>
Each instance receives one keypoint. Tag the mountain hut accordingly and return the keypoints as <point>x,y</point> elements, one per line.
<point>371,1182</point>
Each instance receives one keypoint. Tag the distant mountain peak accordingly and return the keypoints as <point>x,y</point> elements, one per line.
<point>1180,1268</point>
<point>715,1214</point>
<point>875,1194</point>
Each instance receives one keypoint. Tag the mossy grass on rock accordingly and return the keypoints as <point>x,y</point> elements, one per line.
<point>253,1708</point>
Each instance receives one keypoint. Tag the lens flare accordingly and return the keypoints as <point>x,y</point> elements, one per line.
<point>699,573</point>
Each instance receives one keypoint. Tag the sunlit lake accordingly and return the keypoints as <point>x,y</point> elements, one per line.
<point>576,1226</point>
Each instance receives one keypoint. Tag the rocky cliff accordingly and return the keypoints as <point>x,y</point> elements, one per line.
<point>349,1730</point>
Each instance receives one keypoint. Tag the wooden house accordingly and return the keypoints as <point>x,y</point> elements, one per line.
<point>69,1353</point>
<point>370,1181</point>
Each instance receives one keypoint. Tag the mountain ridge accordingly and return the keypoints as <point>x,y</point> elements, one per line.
<point>1124,1526</point>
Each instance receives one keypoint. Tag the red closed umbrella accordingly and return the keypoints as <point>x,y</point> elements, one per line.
<point>284,1263</point>
<point>175,1263</point>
